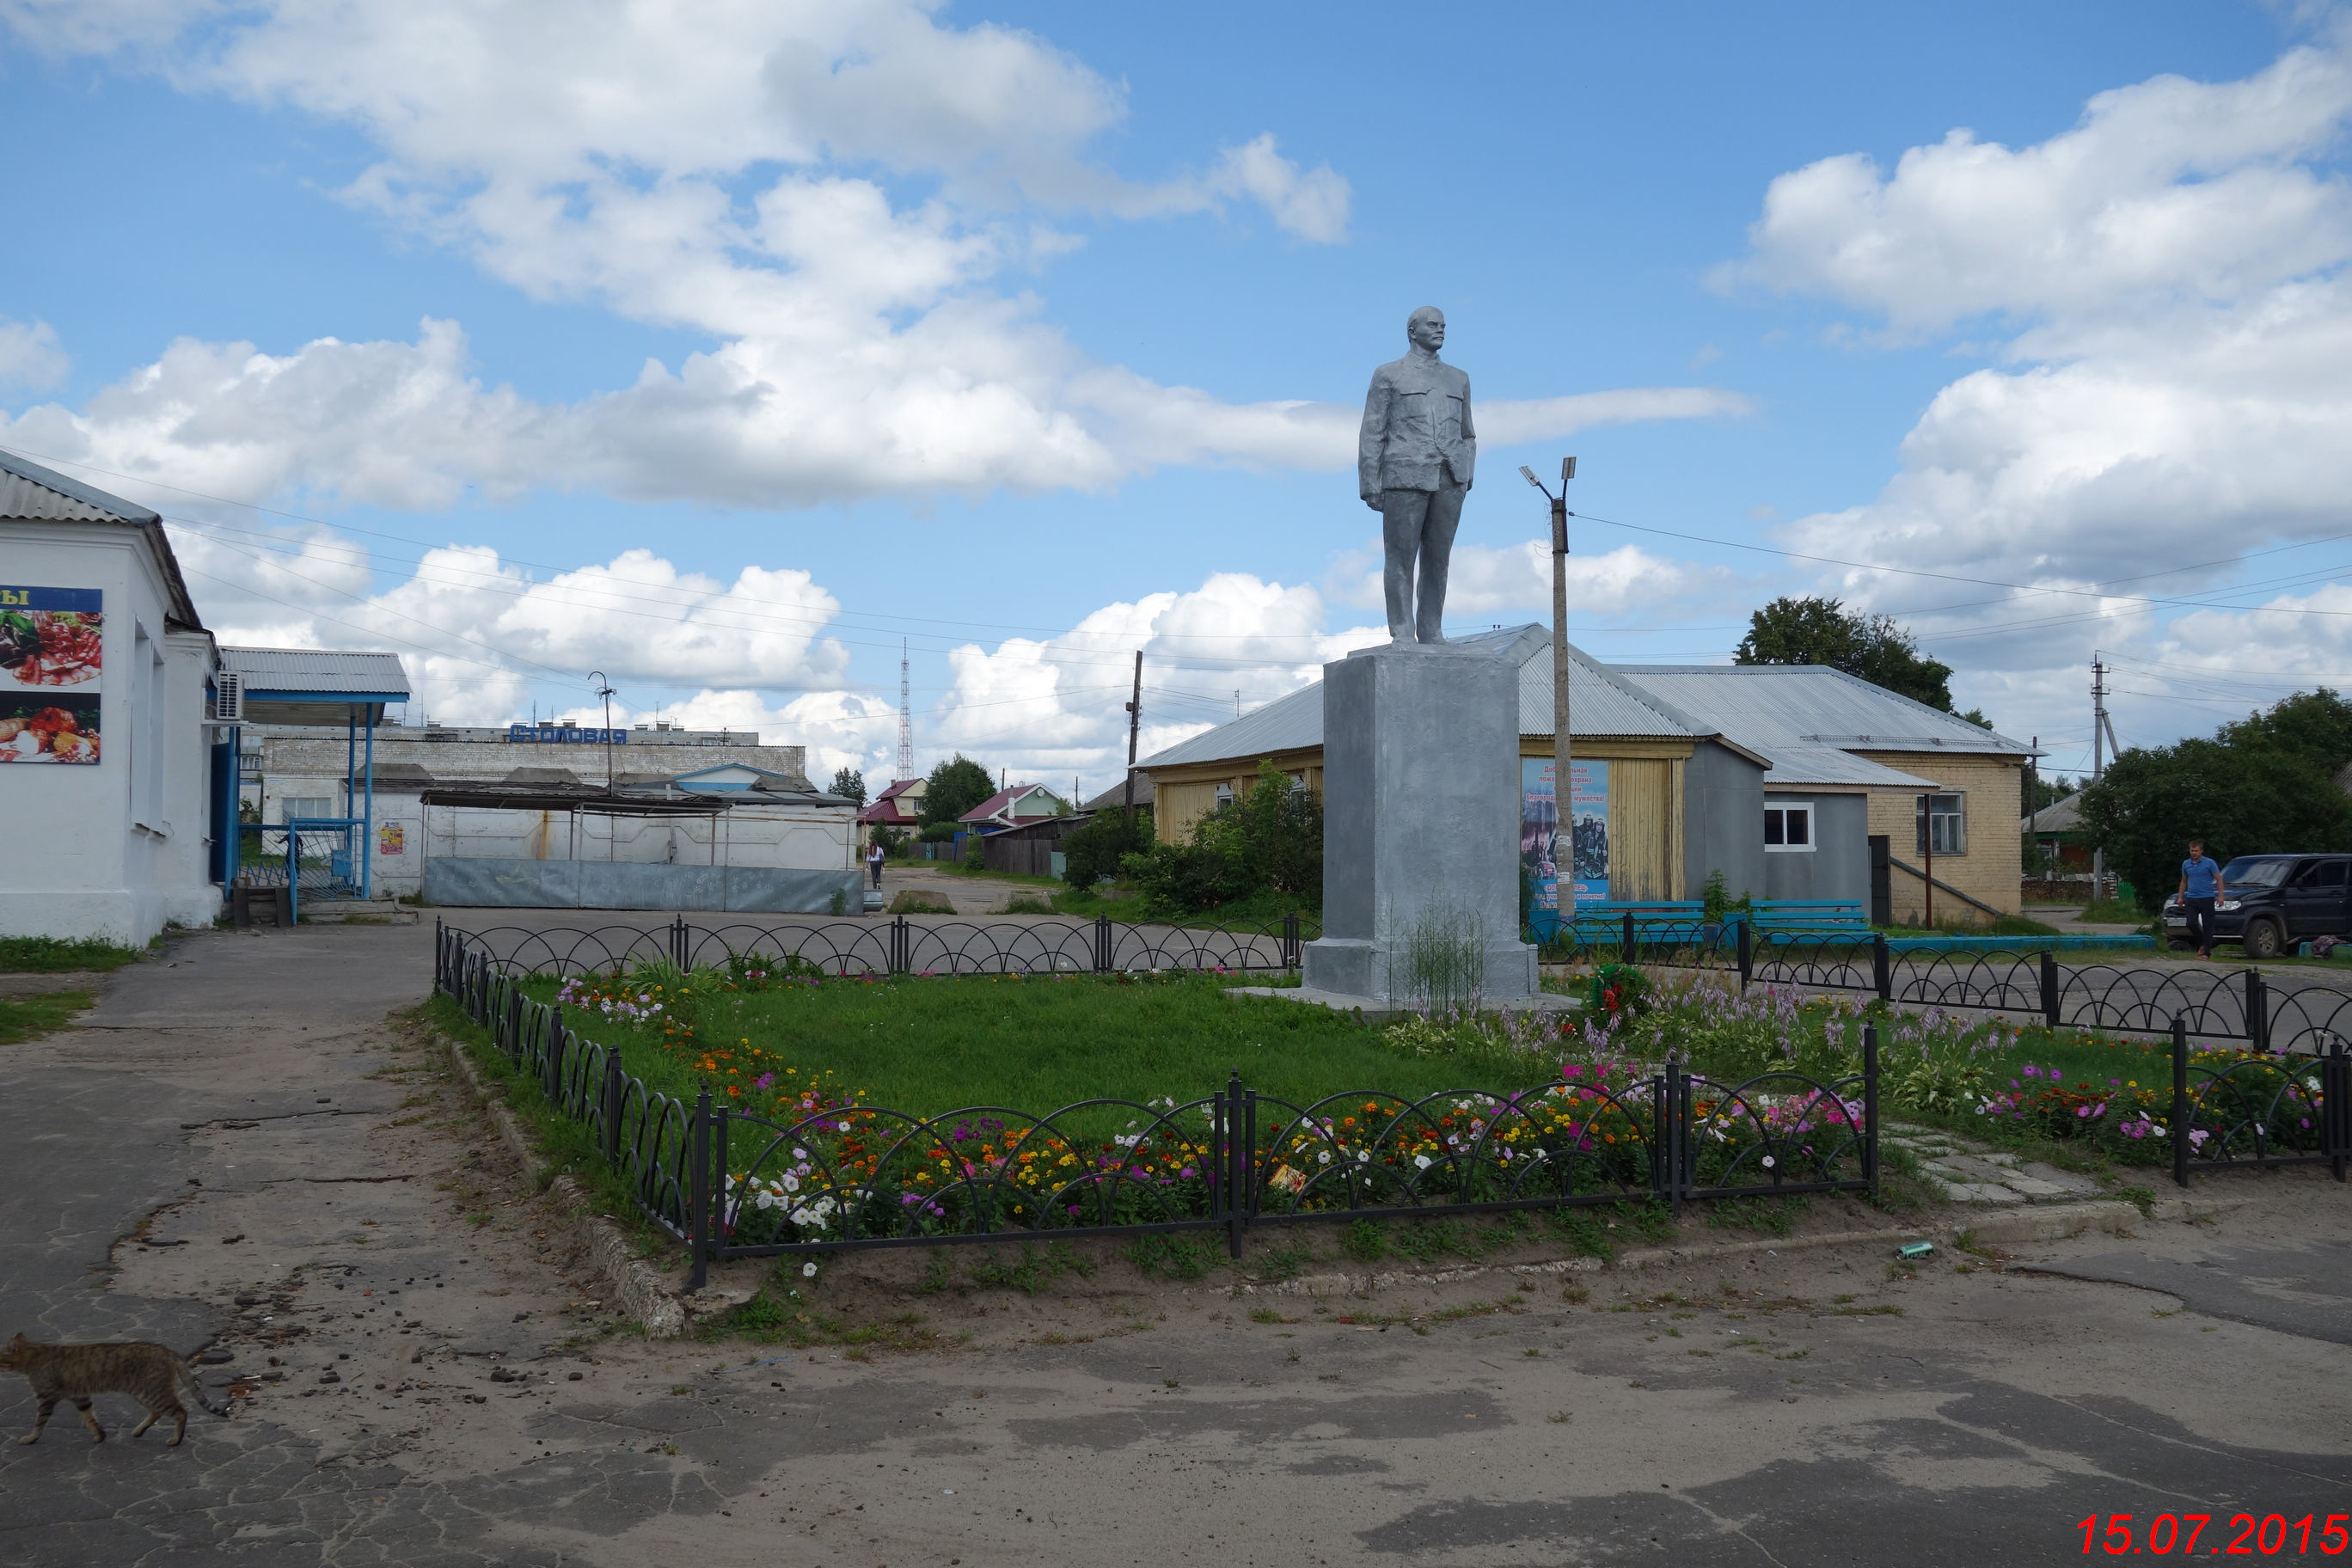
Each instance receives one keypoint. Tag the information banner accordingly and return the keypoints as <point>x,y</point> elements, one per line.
<point>1589,821</point>
<point>52,664</point>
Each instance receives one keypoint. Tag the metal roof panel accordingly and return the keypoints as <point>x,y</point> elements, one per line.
<point>318,669</point>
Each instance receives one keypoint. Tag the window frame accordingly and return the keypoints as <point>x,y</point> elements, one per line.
<point>1812,824</point>
<point>1924,813</point>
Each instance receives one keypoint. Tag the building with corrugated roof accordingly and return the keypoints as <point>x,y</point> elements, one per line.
<point>112,786</point>
<point>1778,778</point>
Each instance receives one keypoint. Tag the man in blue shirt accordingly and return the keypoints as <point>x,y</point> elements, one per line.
<point>2201,891</point>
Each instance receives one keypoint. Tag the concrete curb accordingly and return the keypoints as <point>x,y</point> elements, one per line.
<point>2041,1222</point>
<point>634,1283</point>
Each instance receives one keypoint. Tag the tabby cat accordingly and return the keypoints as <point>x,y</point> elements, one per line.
<point>156,1375</point>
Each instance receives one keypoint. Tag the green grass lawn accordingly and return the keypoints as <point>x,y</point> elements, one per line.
<point>26,1017</point>
<point>931,1045</point>
<point>48,955</point>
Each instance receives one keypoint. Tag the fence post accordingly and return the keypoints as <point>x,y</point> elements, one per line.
<point>1870,1107</point>
<point>895,960</point>
<point>1290,954</point>
<point>2258,1012</point>
<point>1102,944</point>
<point>677,940</point>
<point>697,1191</point>
<point>2335,1087</point>
<point>614,1092</point>
<point>1625,948</point>
<point>1746,953</point>
<point>2049,987</point>
<point>2181,1099</point>
<point>1236,1163</point>
<point>1668,1092</point>
<point>440,956</point>
<point>555,1044</point>
<point>1882,966</point>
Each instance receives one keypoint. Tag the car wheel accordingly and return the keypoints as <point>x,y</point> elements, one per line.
<point>2263,939</point>
<point>2180,944</point>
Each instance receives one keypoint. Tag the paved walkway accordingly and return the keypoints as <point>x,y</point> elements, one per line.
<point>239,1149</point>
<point>1974,1172</point>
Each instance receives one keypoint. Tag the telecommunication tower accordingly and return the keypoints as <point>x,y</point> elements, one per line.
<point>905,722</point>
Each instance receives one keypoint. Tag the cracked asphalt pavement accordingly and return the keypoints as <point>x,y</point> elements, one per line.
<point>239,1148</point>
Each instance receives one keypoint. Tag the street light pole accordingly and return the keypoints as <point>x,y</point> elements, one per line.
<point>1563,793</point>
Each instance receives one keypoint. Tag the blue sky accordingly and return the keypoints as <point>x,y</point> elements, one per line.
<point>1030,333</point>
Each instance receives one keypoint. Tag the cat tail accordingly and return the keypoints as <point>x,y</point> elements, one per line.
<point>187,1380</point>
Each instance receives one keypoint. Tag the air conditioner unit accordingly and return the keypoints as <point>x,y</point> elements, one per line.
<point>228,697</point>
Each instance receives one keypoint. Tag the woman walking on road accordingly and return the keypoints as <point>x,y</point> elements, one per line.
<point>2200,892</point>
<point>874,862</point>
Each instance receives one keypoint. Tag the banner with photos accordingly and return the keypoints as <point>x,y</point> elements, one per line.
<point>52,665</point>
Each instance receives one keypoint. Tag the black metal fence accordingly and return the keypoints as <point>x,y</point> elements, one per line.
<point>902,946</point>
<point>2215,1003</point>
<point>832,1176</point>
<point>829,1176</point>
<point>2261,1111</point>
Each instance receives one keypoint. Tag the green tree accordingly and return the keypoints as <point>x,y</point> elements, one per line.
<point>849,784</point>
<point>1811,630</point>
<point>954,787</point>
<point>2263,784</point>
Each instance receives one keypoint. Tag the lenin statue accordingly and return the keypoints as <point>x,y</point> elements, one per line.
<point>1413,464</point>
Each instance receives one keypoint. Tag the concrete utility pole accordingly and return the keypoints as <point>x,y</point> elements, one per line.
<point>2104,745</point>
<point>604,691</point>
<point>1563,793</point>
<point>2098,716</point>
<point>1134,721</point>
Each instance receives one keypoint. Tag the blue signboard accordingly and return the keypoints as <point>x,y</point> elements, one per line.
<point>565,734</point>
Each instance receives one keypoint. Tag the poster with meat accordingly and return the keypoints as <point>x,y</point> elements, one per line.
<point>51,662</point>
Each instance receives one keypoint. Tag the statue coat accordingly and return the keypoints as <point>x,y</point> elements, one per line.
<point>1417,433</point>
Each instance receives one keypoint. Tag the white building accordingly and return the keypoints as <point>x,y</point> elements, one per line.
<point>113,792</point>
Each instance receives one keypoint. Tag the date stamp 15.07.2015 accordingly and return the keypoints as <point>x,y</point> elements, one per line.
<point>2240,1535</point>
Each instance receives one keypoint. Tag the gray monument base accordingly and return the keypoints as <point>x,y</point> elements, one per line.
<point>1420,819</point>
<point>1355,966</point>
<point>1376,1009</point>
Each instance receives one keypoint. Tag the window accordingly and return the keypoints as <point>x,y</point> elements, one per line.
<point>309,806</point>
<point>1941,816</point>
<point>1225,796</point>
<point>1788,827</point>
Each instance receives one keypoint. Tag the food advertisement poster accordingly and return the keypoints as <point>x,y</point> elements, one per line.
<point>51,662</point>
<point>392,838</point>
<point>1541,843</point>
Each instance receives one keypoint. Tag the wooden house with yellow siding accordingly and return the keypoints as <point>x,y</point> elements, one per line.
<point>1778,778</point>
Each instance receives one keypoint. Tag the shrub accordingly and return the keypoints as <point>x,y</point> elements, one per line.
<point>936,832</point>
<point>1096,848</point>
<point>1269,836</point>
<point>914,902</point>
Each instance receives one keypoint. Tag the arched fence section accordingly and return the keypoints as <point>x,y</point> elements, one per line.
<point>2243,1005</point>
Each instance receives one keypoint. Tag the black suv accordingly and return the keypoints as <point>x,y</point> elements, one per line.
<point>2275,901</point>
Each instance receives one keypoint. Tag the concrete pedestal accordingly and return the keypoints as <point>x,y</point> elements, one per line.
<point>1420,816</point>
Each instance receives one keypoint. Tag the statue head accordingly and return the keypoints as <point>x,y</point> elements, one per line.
<point>1425,329</point>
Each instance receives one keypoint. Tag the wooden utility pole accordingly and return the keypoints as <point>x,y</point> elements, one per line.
<point>1134,721</point>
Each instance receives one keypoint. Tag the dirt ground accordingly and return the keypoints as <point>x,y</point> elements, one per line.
<point>239,1149</point>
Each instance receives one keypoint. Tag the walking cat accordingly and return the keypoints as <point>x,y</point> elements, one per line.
<point>156,1375</point>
